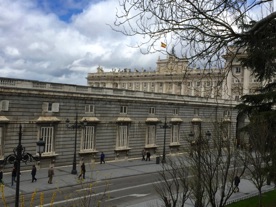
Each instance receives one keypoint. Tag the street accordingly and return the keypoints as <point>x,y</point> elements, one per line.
<point>114,192</point>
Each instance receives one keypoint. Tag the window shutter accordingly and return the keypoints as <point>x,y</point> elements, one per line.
<point>4,106</point>
<point>86,109</point>
<point>45,106</point>
<point>55,107</point>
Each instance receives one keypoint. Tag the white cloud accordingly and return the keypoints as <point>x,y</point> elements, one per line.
<point>37,45</point>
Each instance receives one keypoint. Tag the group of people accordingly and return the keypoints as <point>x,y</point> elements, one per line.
<point>145,155</point>
<point>50,172</point>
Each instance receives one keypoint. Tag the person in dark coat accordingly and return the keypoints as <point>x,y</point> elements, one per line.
<point>102,157</point>
<point>13,175</point>
<point>237,182</point>
<point>33,174</point>
<point>82,174</point>
<point>148,156</point>
<point>143,154</point>
<point>1,177</point>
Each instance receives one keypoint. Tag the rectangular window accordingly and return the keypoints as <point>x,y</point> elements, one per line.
<point>50,107</point>
<point>89,108</point>
<point>196,112</point>
<point>189,83</point>
<point>197,83</point>
<point>4,105</point>
<point>226,113</point>
<point>47,134</point>
<point>122,140</point>
<point>123,110</point>
<point>151,134</point>
<point>145,85</point>
<point>208,83</point>
<point>88,139</point>
<point>151,110</point>
<point>175,134</point>
<point>175,111</point>
<point>1,142</point>
<point>237,69</point>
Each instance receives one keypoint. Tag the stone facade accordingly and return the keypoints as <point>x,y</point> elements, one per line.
<point>172,76</point>
<point>175,76</point>
<point>120,123</point>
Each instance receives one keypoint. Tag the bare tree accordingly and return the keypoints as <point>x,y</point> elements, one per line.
<point>202,30</point>
<point>212,162</point>
<point>172,185</point>
<point>215,162</point>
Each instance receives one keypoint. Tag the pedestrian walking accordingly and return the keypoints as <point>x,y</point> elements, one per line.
<point>13,175</point>
<point>102,158</point>
<point>1,177</point>
<point>82,174</point>
<point>148,156</point>
<point>33,174</point>
<point>143,154</point>
<point>51,175</point>
<point>237,182</point>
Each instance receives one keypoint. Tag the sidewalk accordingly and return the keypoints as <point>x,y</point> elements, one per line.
<point>63,176</point>
<point>110,170</point>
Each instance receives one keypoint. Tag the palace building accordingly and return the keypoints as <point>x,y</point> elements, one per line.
<point>120,122</point>
<point>175,76</point>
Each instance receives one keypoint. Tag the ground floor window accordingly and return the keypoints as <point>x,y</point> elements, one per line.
<point>122,138</point>
<point>47,134</point>
<point>1,142</point>
<point>151,134</point>
<point>175,134</point>
<point>88,139</point>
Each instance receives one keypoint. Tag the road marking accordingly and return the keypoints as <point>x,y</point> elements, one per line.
<point>138,195</point>
<point>94,186</point>
<point>133,195</point>
<point>93,195</point>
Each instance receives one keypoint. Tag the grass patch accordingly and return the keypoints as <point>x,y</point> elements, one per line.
<point>269,200</point>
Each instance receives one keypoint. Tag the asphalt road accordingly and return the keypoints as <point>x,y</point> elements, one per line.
<point>116,192</point>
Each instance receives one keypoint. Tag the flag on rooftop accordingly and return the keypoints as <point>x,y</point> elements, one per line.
<point>163,45</point>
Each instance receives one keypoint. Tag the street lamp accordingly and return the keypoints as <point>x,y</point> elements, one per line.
<point>75,126</point>
<point>197,145</point>
<point>165,127</point>
<point>40,147</point>
<point>19,155</point>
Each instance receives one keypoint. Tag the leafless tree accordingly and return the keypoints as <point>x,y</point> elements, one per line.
<point>216,162</point>
<point>202,30</point>
<point>172,185</point>
<point>212,162</point>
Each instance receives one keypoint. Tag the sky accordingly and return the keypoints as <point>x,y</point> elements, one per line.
<point>62,41</point>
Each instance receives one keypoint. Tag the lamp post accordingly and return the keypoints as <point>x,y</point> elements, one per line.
<point>165,127</point>
<point>75,126</point>
<point>19,155</point>
<point>198,146</point>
